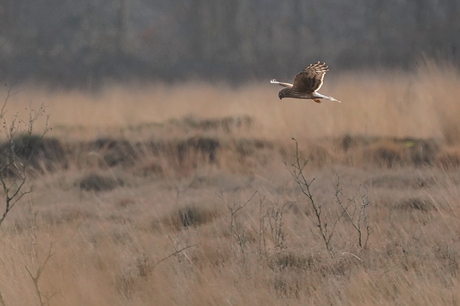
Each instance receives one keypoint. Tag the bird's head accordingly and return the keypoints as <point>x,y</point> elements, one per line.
<point>282,93</point>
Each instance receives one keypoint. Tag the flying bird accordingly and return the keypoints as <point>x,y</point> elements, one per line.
<point>306,84</point>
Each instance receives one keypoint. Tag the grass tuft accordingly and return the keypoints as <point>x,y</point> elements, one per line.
<point>98,182</point>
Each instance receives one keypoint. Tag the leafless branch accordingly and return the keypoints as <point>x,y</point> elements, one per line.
<point>173,254</point>
<point>235,228</point>
<point>298,174</point>
<point>361,207</point>
<point>5,101</point>
<point>276,222</point>
<point>44,300</point>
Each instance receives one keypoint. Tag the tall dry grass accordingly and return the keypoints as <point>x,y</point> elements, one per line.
<point>422,104</point>
<point>117,234</point>
<point>109,246</point>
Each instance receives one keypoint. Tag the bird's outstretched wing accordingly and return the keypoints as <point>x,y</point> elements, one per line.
<point>280,83</point>
<point>311,78</point>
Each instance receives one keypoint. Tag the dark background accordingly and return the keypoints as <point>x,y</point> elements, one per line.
<point>81,44</point>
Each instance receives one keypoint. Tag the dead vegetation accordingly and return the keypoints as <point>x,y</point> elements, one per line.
<point>98,182</point>
<point>201,210</point>
<point>183,156</point>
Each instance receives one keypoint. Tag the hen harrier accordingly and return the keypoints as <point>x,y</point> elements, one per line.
<point>306,84</point>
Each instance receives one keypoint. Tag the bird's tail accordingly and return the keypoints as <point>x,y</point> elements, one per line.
<point>320,96</point>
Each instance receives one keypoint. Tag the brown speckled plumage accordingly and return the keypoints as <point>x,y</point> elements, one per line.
<point>306,84</point>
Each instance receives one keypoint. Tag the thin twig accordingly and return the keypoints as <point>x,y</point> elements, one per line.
<point>235,229</point>
<point>173,254</point>
<point>37,276</point>
<point>5,102</point>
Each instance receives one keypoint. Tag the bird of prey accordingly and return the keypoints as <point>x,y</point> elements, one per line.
<point>306,84</point>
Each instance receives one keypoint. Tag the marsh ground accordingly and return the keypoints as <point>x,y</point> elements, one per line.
<point>182,195</point>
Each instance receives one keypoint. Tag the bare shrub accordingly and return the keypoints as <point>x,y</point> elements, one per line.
<point>297,171</point>
<point>236,227</point>
<point>275,216</point>
<point>355,211</point>
<point>17,153</point>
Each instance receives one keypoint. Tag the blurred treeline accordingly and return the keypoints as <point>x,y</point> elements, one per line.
<point>80,43</point>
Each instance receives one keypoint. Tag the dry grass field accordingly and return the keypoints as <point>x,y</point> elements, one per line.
<point>189,195</point>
